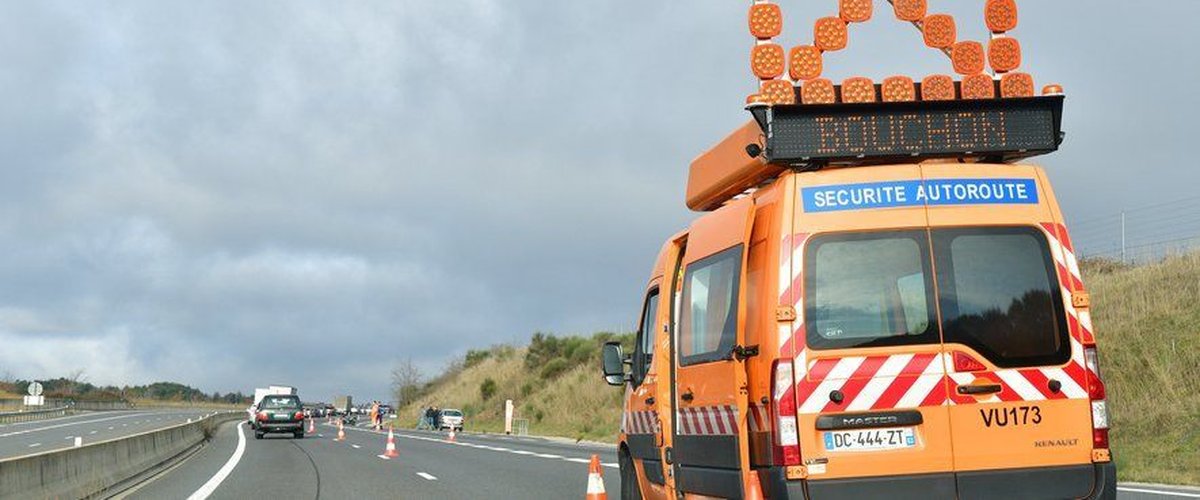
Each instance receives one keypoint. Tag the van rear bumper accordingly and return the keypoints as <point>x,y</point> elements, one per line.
<point>1042,482</point>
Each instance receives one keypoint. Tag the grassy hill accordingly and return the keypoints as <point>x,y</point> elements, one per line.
<point>1147,322</point>
<point>558,389</point>
<point>1147,319</point>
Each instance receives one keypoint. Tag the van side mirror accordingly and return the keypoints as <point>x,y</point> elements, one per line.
<point>614,364</point>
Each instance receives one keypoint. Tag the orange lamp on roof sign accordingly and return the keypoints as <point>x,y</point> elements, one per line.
<point>978,86</point>
<point>854,11</point>
<point>766,61</point>
<point>939,31</point>
<point>909,10</point>
<point>1016,85</point>
<point>804,63</point>
<point>967,57</point>
<point>858,89</point>
<point>898,89</point>
<point>1004,54</point>
<point>778,92</point>
<point>818,91</point>
<point>938,88</point>
<point>830,33</point>
<point>766,20</point>
<point>1000,15</point>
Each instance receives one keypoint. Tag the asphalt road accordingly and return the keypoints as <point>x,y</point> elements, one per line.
<point>475,466</point>
<point>318,466</point>
<point>27,438</point>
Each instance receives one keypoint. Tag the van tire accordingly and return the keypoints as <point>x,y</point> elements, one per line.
<point>629,482</point>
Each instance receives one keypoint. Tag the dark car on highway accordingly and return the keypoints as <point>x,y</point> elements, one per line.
<point>279,414</point>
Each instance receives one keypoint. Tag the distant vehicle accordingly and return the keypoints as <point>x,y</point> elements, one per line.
<point>279,414</point>
<point>450,419</point>
<point>387,410</point>
<point>342,405</point>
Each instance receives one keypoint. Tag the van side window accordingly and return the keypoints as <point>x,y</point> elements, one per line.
<point>710,296</point>
<point>1000,295</point>
<point>644,351</point>
<point>869,289</point>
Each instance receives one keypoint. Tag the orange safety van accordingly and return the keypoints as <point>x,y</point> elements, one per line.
<point>881,301</point>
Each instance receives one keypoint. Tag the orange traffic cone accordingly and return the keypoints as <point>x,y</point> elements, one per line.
<point>312,426</point>
<point>390,450</point>
<point>595,487</point>
<point>341,432</point>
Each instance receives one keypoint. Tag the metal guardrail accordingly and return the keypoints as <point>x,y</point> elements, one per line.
<point>26,416</point>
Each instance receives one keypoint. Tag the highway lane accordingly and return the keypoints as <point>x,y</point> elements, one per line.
<point>428,467</point>
<point>26,438</point>
<point>476,466</point>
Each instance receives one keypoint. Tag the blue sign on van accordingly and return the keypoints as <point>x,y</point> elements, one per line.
<point>893,194</point>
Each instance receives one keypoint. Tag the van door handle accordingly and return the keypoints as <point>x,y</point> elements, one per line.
<point>688,396</point>
<point>650,401</point>
<point>975,390</point>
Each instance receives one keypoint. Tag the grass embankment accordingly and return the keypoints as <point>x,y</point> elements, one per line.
<point>1147,322</point>
<point>555,383</point>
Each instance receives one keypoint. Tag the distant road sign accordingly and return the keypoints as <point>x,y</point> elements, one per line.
<point>35,389</point>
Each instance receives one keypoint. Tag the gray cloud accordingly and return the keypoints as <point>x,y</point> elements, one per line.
<point>231,194</point>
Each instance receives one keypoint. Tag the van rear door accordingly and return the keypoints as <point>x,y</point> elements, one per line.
<point>870,388</point>
<point>1017,386</point>
<point>708,448</point>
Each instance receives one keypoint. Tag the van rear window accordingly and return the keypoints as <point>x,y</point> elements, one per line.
<point>996,288</point>
<point>999,295</point>
<point>872,289</point>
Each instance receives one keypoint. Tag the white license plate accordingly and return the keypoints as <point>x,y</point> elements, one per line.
<point>891,438</point>
<point>282,417</point>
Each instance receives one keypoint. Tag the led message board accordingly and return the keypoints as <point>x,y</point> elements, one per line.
<point>1005,128</point>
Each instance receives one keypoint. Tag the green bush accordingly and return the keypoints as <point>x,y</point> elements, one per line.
<point>487,389</point>
<point>526,389</point>
<point>554,368</point>
<point>475,356</point>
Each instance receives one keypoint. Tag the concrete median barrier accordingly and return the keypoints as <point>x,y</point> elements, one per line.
<point>93,469</point>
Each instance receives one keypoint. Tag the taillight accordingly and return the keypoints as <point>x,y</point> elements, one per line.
<point>786,449</point>
<point>299,415</point>
<point>262,415</point>
<point>1096,393</point>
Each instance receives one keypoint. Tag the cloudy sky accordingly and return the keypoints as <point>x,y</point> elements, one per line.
<point>230,194</point>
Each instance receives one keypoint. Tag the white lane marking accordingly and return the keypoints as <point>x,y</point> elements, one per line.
<point>547,455</point>
<point>68,438</point>
<point>355,446</point>
<point>611,466</point>
<point>578,460</point>
<point>35,445</point>
<point>93,432</point>
<point>385,457</point>
<point>1159,492</point>
<point>492,448</point>
<point>213,482</point>
<point>427,476</point>
<point>110,427</point>
<point>59,426</point>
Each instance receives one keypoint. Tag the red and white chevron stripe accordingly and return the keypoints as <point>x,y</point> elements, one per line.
<point>707,421</point>
<point>640,422</point>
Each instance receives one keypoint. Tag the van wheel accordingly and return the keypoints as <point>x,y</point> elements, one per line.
<point>629,484</point>
<point>258,435</point>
